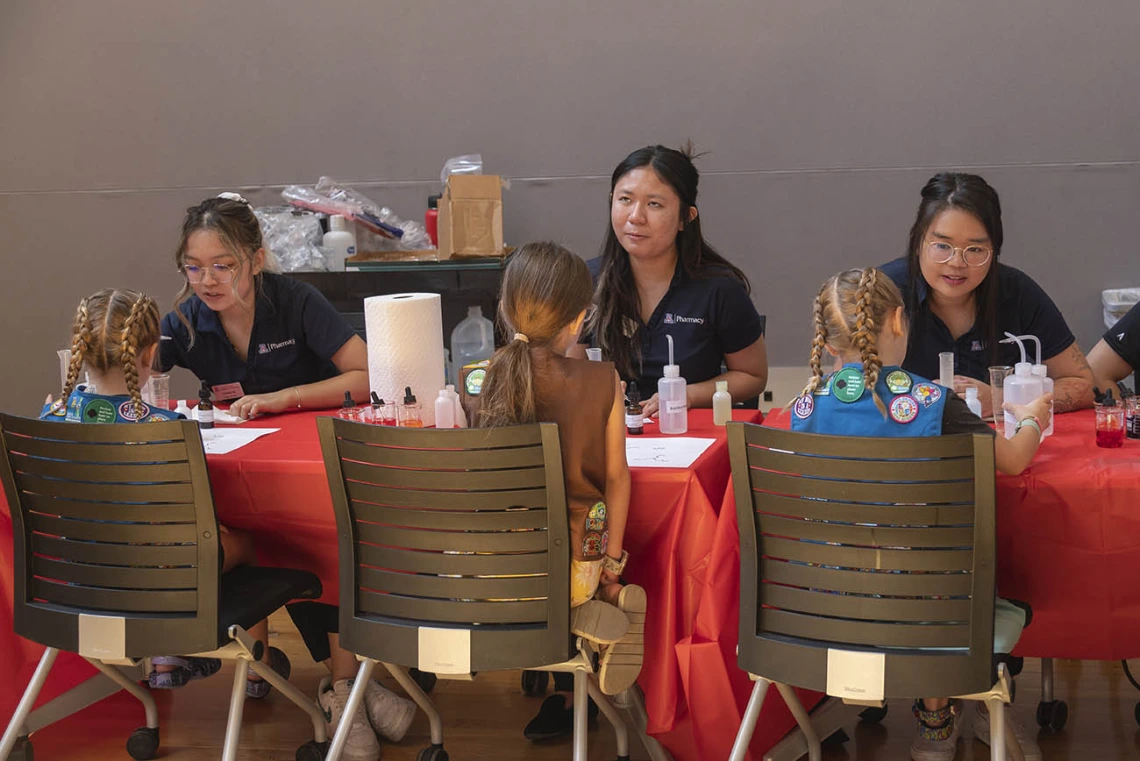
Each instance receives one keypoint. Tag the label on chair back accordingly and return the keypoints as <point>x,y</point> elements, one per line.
<point>444,651</point>
<point>103,638</point>
<point>856,676</point>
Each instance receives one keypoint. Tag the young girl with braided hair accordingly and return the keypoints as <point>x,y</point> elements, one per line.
<point>860,320</point>
<point>115,336</point>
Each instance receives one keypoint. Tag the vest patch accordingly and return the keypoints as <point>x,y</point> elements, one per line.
<point>927,393</point>
<point>804,406</point>
<point>848,385</point>
<point>899,382</point>
<point>904,409</point>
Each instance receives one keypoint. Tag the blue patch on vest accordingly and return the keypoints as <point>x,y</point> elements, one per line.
<point>919,414</point>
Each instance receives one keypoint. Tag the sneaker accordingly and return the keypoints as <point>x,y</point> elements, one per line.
<point>621,661</point>
<point>257,688</point>
<point>389,714</point>
<point>937,738</point>
<point>361,743</point>
<point>598,622</point>
<point>556,719</point>
<point>186,670</point>
<point>1028,743</point>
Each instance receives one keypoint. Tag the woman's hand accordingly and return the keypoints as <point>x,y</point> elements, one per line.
<point>263,404</point>
<point>1038,408</point>
<point>985,393</point>
<point>649,406</point>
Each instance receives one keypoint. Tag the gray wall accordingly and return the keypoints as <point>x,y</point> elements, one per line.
<point>822,120</point>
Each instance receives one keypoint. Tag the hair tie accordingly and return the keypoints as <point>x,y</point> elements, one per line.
<point>235,197</point>
<point>522,337</point>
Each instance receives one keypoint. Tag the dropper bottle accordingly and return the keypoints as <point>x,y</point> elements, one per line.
<point>410,414</point>
<point>672,399</point>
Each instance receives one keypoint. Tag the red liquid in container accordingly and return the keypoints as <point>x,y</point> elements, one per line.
<point>1110,438</point>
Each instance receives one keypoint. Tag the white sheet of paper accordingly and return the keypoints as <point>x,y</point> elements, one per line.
<point>856,675</point>
<point>665,452</point>
<point>226,440</point>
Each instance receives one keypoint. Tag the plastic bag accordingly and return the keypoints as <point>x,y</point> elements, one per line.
<point>1117,302</point>
<point>471,163</point>
<point>378,228</point>
<point>293,237</point>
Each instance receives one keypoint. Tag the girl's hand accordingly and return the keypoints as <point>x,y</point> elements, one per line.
<point>263,404</point>
<point>649,406</point>
<point>1038,408</point>
<point>608,577</point>
<point>985,393</point>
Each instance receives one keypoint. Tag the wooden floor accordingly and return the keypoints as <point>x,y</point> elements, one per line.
<point>485,720</point>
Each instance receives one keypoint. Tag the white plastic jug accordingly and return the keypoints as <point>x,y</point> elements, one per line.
<point>473,340</point>
<point>1021,387</point>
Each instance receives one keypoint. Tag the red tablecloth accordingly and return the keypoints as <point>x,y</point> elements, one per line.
<point>276,489</point>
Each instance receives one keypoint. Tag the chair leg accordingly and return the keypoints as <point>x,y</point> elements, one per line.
<point>355,697</point>
<point>416,693</point>
<point>634,701</point>
<point>237,705</point>
<point>1046,680</point>
<point>613,717</point>
<point>16,725</point>
<point>1011,743</point>
<point>143,696</point>
<point>997,729</point>
<point>803,719</point>
<point>295,696</point>
<point>581,709</point>
<point>748,721</point>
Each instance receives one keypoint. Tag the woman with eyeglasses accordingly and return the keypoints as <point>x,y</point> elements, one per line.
<point>962,299</point>
<point>264,341</point>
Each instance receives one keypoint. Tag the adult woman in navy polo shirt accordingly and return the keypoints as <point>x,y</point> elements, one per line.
<point>657,276</point>
<point>266,341</point>
<point>1117,354</point>
<point>961,299</point>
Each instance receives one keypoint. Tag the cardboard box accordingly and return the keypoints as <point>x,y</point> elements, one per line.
<point>471,216</point>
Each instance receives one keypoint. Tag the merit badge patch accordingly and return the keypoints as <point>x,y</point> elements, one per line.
<point>592,544</point>
<point>904,409</point>
<point>899,382</point>
<point>847,385</point>
<point>804,406</point>
<point>596,518</point>
<point>98,411</point>
<point>927,393</point>
<point>58,408</point>
<point>127,411</point>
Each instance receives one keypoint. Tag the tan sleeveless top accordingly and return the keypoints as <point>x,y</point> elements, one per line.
<point>578,395</point>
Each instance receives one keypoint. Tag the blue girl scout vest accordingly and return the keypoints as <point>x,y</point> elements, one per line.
<point>83,407</point>
<point>843,406</point>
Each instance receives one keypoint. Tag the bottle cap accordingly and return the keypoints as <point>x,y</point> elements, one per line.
<point>1023,369</point>
<point>632,393</point>
<point>971,392</point>
<point>433,201</point>
<point>376,399</point>
<point>475,311</point>
<point>337,222</point>
<point>204,392</point>
<point>451,388</point>
<point>722,386</point>
<point>1041,371</point>
<point>444,394</point>
<point>348,403</point>
<point>408,398</point>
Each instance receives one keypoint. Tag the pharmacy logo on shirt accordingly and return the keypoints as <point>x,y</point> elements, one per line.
<point>976,346</point>
<point>266,348</point>
<point>676,319</point>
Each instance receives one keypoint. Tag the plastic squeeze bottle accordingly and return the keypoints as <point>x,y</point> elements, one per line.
<point>1042,372</point>
<point>460,413</point>
<point>444,410</point>
<point>673,403</point>
<point>340,241</point>
<point>722,404</point>
<point>1021,387</point>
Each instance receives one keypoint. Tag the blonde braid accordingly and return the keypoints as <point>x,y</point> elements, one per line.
<point>865,335</point>
<point>128,352</point>
<point>80,346</point>
<point>818,342</point>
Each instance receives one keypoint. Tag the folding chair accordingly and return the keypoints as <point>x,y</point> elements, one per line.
<point>866,572</point>
<point>455,558</point>
<point>116,559</point>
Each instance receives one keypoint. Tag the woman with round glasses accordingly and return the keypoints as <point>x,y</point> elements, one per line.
<point>264,341</point>
<point>961,299</point>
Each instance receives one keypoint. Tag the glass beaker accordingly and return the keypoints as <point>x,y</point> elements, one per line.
<point>997,395</point>
<point>1109,425</point>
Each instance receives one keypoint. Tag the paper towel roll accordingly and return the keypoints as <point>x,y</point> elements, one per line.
<point>405,347</point>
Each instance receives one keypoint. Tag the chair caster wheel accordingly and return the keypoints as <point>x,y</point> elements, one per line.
<point>312,751</point>
<point>22,750</point>
<point>535,682</point>
<point>143,743</point>
<point>873,715</point>
<point>1054,714</point>
<point>432,753</point>
<point>425,679</point>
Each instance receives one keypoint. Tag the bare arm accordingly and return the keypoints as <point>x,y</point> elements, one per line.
<point>1012,456</point>
<point>352,363</point>
<point>617,473</point>
<point>1107,366</point>
<point>1072,379</point>
<point>747,376</point>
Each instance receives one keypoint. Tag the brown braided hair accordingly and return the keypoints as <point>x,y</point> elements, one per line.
<point>111,328</point>
<point>849,311</point>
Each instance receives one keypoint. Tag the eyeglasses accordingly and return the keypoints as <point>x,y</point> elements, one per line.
<point>941,252</point>
<point>222,273</point>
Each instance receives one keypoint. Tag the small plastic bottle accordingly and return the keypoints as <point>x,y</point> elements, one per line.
<point>410,414</point>
<point>348,410</point>
<point>672,399</point>
<point>722,404</point>
<point>460,413</point>
<point>205,407</point>
<point>1021,387</point>
<point>431,219</point>
<point>634,417</point>
<point>972,400</point>
<point>182,408</point>
<point>444,410</point>
<point>340,241</point>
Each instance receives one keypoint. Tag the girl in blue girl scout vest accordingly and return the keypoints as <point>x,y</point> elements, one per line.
<point>860,319</point>
<point>115,336</point>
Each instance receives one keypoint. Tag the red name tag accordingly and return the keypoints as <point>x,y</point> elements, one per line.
<point>227,391</point>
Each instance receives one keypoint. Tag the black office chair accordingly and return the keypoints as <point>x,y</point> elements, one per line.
<point>455,558</point>
<point>116,559</point>
<point>866,572</point>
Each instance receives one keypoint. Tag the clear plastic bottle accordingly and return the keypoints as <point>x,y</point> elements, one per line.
<point>1042,372</point>
<point>473,340</point>
<point>340,241</point>
<point>972,400</point>
<point>444,410</point>
<point>1039,372</point>
<point>183,409</point>
<point>722,404</point>
<point>672,399</point>
<point>460,413</point>
<point>1021,387</point>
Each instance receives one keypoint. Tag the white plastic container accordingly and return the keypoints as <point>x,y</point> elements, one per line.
<point>1039,370</point>
<point>473,340</point>
<point>946,369</point>
<point>444,410</point>
<point>1021,387</point>
<point>672,401</point>
<point>340,241</point>
<point>460,413</point>
<point>722,404</point>
<point>972,400</point>
<point>183,409</point>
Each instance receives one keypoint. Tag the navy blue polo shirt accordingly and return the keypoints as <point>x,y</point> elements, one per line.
<point>708,317</point>
<point>296,332</point>
<point>1124,337</point>
<point>1023,308</point>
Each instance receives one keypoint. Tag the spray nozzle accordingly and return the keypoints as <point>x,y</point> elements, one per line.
<point>670,340</point>
<point>671,370</point>
<point>1018,340</point>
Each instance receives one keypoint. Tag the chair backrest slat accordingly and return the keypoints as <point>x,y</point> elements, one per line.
<point>456,480</point>
<point>866,582</point>
<point>113,600</point>
<point>866,633</point>
<point>431,611</point>
<point>413,561</point>
<point>445,500</point>
<point>176,512</point>
<point>879,515</point>
<point>102,473</point>
<point>452,520</point>
<point>113,532</point>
